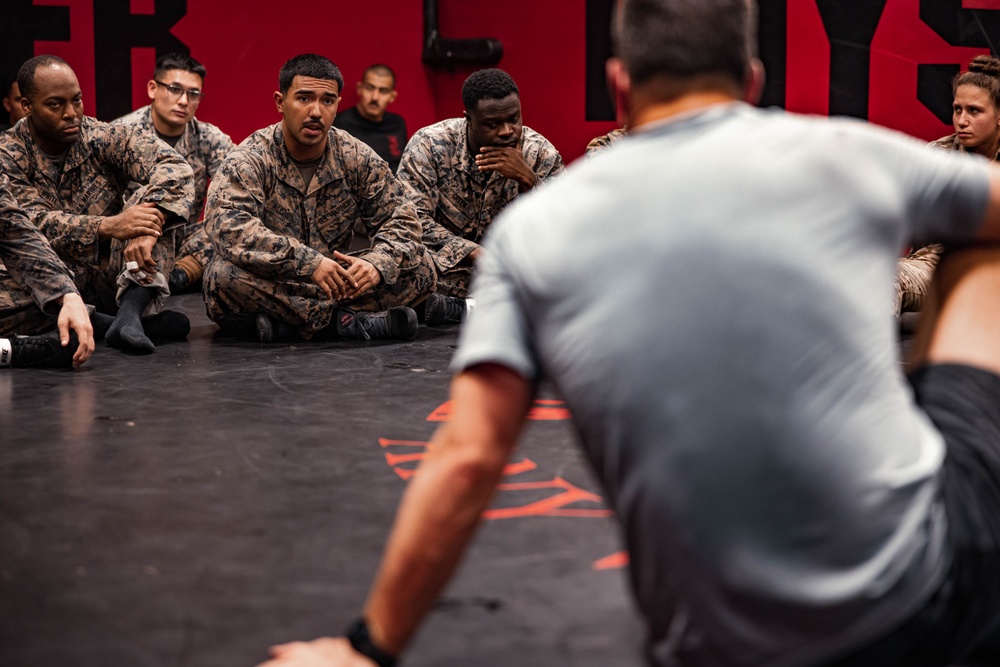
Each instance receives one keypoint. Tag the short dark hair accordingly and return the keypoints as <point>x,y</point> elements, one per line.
<point>309,64</point>
<point>487,84</point>
<point>983,72</point>
<point>685,39</point>
<point>171,61</point>
<point>380,70</point>
<point>26,74</point>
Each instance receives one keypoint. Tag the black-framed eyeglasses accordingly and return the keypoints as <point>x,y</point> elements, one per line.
<point>193,94</point>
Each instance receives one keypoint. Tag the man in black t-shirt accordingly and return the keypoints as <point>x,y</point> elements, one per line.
<point>369,121</point>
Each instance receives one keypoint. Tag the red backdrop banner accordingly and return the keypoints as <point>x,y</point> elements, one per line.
<point>889,63</point>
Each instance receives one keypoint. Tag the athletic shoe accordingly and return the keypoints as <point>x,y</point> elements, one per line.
<point>399,323</point>
<point>272,330</point>
<point>440,309</point>
<point>43,351</point>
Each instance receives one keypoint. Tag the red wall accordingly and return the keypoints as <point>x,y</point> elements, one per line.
<point>244,42</point>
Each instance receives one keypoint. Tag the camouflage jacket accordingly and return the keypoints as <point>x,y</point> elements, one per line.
<point>203,146</point>
<point>68,206</point>
<point>598,144</point>
<point>260,216</point>
<point>28,256</point>
<point>951,143</point>
<point>455,201</point>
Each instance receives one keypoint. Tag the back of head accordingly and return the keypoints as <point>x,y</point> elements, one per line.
<point>172,61</point>
<point>680,40</point>
<point>311,65</point>
<point>26,74</point>
<point>487,84</point>
<point>983,72</point>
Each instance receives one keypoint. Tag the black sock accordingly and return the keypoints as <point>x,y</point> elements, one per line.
<point>126,332</point>
<point>101,323</point>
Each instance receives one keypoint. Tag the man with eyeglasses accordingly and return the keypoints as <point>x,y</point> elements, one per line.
<point>175,91</point>
<point>70,173</point>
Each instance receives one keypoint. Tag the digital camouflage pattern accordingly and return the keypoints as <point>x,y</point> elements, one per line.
<point>203,146</point>
<point>68,206</point>
<point>32,276</point>
<point>915,271</point>
<point>270,232</point>
<point>455,201</point>
<point>598,144</point>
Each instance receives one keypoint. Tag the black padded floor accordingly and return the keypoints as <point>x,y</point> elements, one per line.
<point>194,506</point>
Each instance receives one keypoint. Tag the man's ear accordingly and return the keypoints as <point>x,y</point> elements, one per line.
<point>279,101</point>
<point>151,89</point>
<point>619,87</point>
<point>755,82</point>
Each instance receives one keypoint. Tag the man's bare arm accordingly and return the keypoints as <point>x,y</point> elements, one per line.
<point>439,512</point>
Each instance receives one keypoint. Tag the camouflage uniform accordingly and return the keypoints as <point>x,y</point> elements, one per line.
<point>204,147</point>
<point>68,206</point>
<point>915,271</point>
<point>598,144</point>
<point>455,201</point>
<point>34,277</point>
<point>269,237</point>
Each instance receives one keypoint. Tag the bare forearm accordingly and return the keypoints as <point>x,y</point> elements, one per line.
<point>437,518</point>
<point>446,499</point>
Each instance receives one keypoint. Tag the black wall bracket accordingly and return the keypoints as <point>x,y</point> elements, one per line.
<point>448,54</point>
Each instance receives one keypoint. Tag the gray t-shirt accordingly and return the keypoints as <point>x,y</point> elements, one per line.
<point>712,297</point>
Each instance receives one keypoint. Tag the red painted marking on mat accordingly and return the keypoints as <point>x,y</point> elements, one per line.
<point>613,562</point>
<point>566,494</point>
<point>542,410</point>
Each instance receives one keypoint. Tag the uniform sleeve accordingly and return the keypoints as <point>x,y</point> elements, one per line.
<point>165,178</point>
<point>389,217</point>
<point>419,176</point>
<point>218,145</point>
<point>546,161</point>
<point>233,220</point>
<point>496,330</point>
<point>74,237</point>
<point>29,257</point>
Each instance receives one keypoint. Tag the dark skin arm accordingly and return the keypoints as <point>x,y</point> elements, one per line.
<point>509,162</point>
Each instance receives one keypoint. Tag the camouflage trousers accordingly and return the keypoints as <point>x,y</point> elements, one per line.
<point>914,274</point>
<point>97,284</point>
<point>192,241</point>
<point>455,282</point>
<point>19,314</point>
<point>231,291</point>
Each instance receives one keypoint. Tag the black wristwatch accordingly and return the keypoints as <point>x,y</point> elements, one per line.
<point>361,641</point>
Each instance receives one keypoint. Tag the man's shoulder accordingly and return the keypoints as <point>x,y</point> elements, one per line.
<point>347,118</point>
<point>440,138</point>
<point>139,117</point>
<point>207,132</point>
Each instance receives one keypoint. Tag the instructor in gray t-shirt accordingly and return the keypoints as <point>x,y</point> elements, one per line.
<point>787,496</point>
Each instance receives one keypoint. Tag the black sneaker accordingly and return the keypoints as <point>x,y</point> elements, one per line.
<point>43,351</point>
<point>272,330</point>
<point>399,323</point>
<point>440,309</point>
<point>167,325</point>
